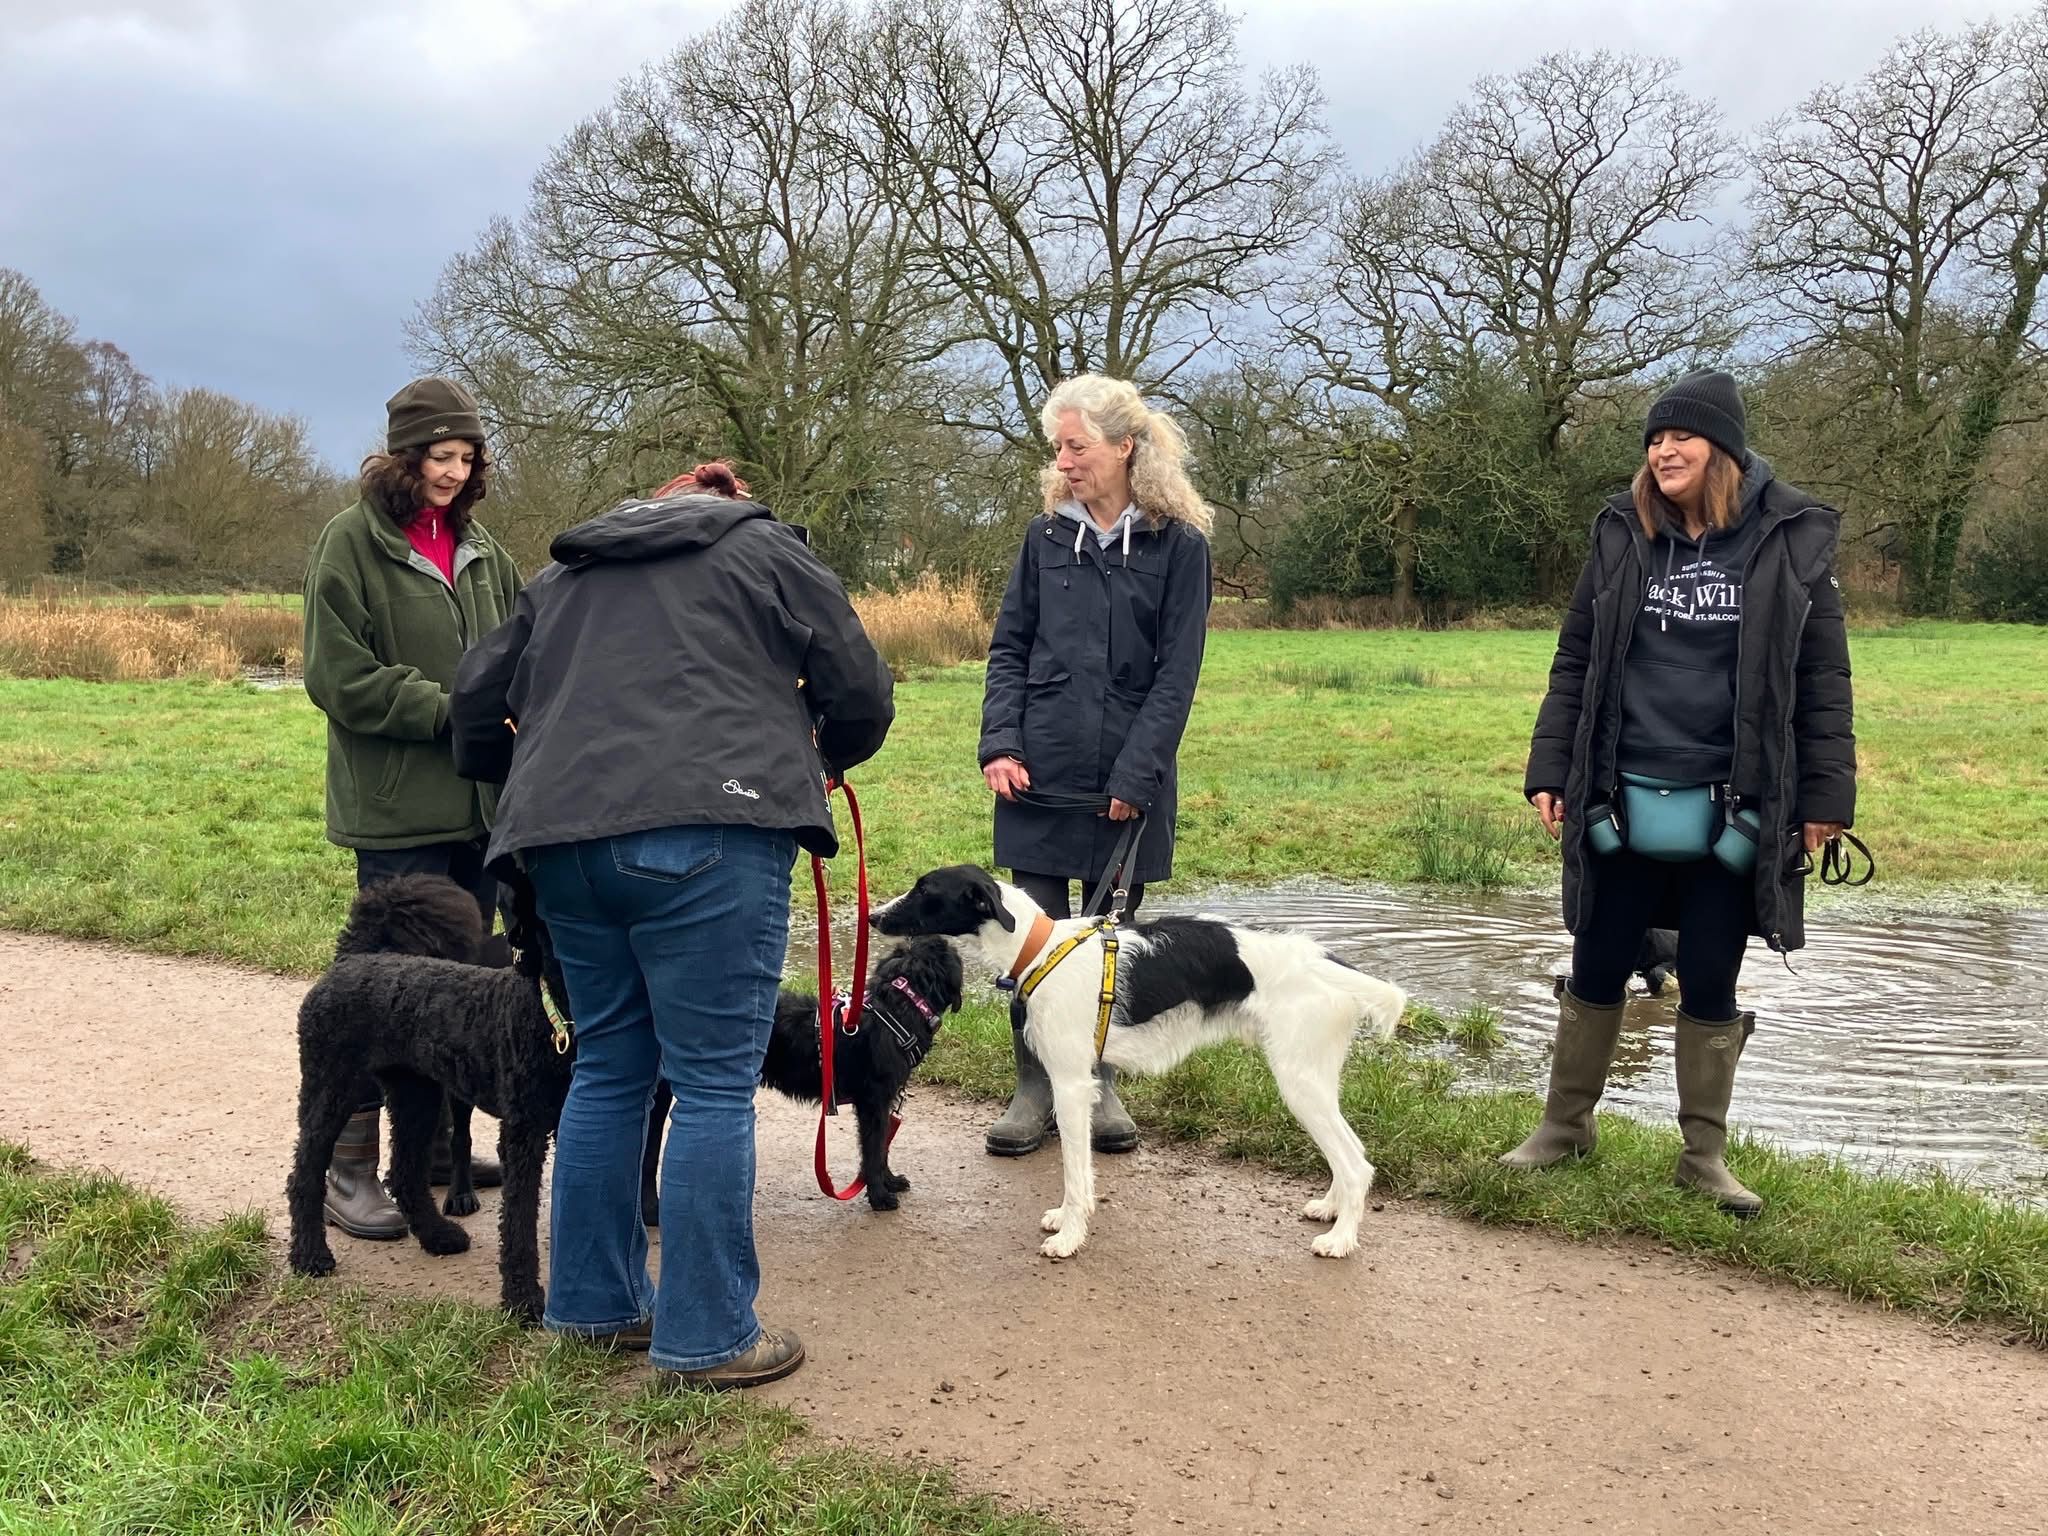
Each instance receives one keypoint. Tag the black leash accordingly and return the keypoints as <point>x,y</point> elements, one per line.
<point>1837,864</point>
<point>1123,858</point>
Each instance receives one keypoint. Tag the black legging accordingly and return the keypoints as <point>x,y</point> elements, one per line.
<point>1052,892</point>
<point>1713,930</point>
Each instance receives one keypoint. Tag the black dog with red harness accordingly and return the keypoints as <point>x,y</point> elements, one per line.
<point>910,990</point>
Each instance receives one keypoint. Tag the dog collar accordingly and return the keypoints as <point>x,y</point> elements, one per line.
<point>1034,945</point>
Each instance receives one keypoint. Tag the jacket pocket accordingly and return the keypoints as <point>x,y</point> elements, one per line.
<point>1051,732</point>
<point>667,854</point>
<point>392,776</point>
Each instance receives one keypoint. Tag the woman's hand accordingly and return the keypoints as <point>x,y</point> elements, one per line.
<point>1006,776</point>
<point>1121,810</point>
<point>1550,810</point>
<point>1820,833</point>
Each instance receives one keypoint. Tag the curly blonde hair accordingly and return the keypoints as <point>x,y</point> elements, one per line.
<point>1111,410</point>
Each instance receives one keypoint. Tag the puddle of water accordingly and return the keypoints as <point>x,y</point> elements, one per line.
<point>270,679</point>
<point>1906,1039</point>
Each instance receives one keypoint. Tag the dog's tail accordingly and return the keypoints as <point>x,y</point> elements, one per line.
<point>1380,1003</point>
<point>413,915</point>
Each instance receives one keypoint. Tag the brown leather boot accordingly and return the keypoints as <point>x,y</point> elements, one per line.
<point>355,1201</point>
<point>1586,1037</point>
<point>1708,1055</point>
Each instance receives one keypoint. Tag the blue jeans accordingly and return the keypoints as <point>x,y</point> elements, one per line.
<point>672,942</point>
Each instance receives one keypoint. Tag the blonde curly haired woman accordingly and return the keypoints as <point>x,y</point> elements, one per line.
<point>1091,672</point>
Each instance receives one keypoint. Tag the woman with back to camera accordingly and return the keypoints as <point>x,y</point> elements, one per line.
<point>661,769</point>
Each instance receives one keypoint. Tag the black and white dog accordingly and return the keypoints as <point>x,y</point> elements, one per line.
<point>1181,983</point>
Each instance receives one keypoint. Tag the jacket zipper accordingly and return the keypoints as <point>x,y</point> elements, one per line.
<point>1776,937</point>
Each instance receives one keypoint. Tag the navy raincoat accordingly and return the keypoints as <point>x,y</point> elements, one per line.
<point>1091,672</point>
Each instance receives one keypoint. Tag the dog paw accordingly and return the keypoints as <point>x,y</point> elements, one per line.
<point>463,1204</point>
<point>898,1182</point>
<point>526,1310</point>
<point>317,1263</point>
<point>881,1199</point>
<point>1335,1245</point>
<point>1065,1244</point>
<point>1322,1208</point>
<point>444,1240</point>
<point>1053,1220</point>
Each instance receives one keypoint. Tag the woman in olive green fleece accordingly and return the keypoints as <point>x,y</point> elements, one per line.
<point>398,587</point>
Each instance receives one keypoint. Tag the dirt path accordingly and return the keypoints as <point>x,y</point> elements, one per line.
<point>1195,1370</point>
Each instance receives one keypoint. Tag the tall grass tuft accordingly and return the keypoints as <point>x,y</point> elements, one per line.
<point>1459,845</point>
<point>108,644</point>
<point>260,634</point>
<point>927,624</point>
<point>1340,678</point>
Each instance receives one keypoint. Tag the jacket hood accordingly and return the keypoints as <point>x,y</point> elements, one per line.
<point>653,530</point>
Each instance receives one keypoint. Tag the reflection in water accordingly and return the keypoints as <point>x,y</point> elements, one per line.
<point>1904,1040</point>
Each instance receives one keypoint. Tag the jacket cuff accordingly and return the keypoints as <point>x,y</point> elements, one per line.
<point>993,747</point>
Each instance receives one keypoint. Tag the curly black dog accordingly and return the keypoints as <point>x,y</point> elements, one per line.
<point>403,1002</point>
<point>910,989</point>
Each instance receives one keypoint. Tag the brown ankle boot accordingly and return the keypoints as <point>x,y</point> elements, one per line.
<point>355,1201</point>
<point>1586,1037</point>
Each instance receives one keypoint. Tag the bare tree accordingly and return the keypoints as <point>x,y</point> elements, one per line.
<point>1559,216</point>
<point>1092,179</point>
<point>1545,237</point>
<point>714,264</point>
<point>1901,225</point>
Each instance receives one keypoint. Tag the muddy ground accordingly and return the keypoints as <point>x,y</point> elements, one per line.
<point>1195,1369</point>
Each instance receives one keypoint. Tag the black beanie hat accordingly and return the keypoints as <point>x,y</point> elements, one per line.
<point>1707,404</point>
<point>428,410</point>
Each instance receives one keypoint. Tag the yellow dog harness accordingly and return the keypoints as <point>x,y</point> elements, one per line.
<point>1107,928</point>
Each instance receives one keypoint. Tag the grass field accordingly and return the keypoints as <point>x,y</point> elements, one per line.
<point>186,817</point>
<point>157,1378</point>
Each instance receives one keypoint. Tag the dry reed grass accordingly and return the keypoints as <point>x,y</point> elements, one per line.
<point>928,624</point>
<point>106,642</point>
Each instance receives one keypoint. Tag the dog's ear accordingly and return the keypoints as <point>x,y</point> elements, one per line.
<point>955,979</point>
<point>988,901</point>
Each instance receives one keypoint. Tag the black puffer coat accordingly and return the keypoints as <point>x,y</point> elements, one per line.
<point>1795,748</point>
<point>1091,673</point>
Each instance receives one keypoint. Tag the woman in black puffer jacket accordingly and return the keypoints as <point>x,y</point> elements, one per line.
<point>1704,663</point>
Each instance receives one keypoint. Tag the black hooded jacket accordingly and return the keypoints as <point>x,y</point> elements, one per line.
<point>686,661</point>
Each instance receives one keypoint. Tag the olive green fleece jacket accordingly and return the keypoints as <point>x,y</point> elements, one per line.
<point>384,634</point>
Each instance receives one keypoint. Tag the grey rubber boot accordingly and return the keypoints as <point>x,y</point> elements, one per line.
<point>1110,1128</point>
<point>1708,1055</point>
<point>1023,1126</point>
<point>355,1201</point>
<point>1579,1060</point>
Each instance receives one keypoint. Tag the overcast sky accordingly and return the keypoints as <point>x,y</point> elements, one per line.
<point>232,190</point>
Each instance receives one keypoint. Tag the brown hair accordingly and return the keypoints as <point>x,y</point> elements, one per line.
<point>713,479</point>
<point>1721,503</point>
<point>391,482</point>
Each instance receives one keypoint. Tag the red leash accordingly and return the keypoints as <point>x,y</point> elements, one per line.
<point>828,1024</point>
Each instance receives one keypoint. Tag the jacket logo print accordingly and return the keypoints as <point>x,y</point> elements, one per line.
<point>735,787</point>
